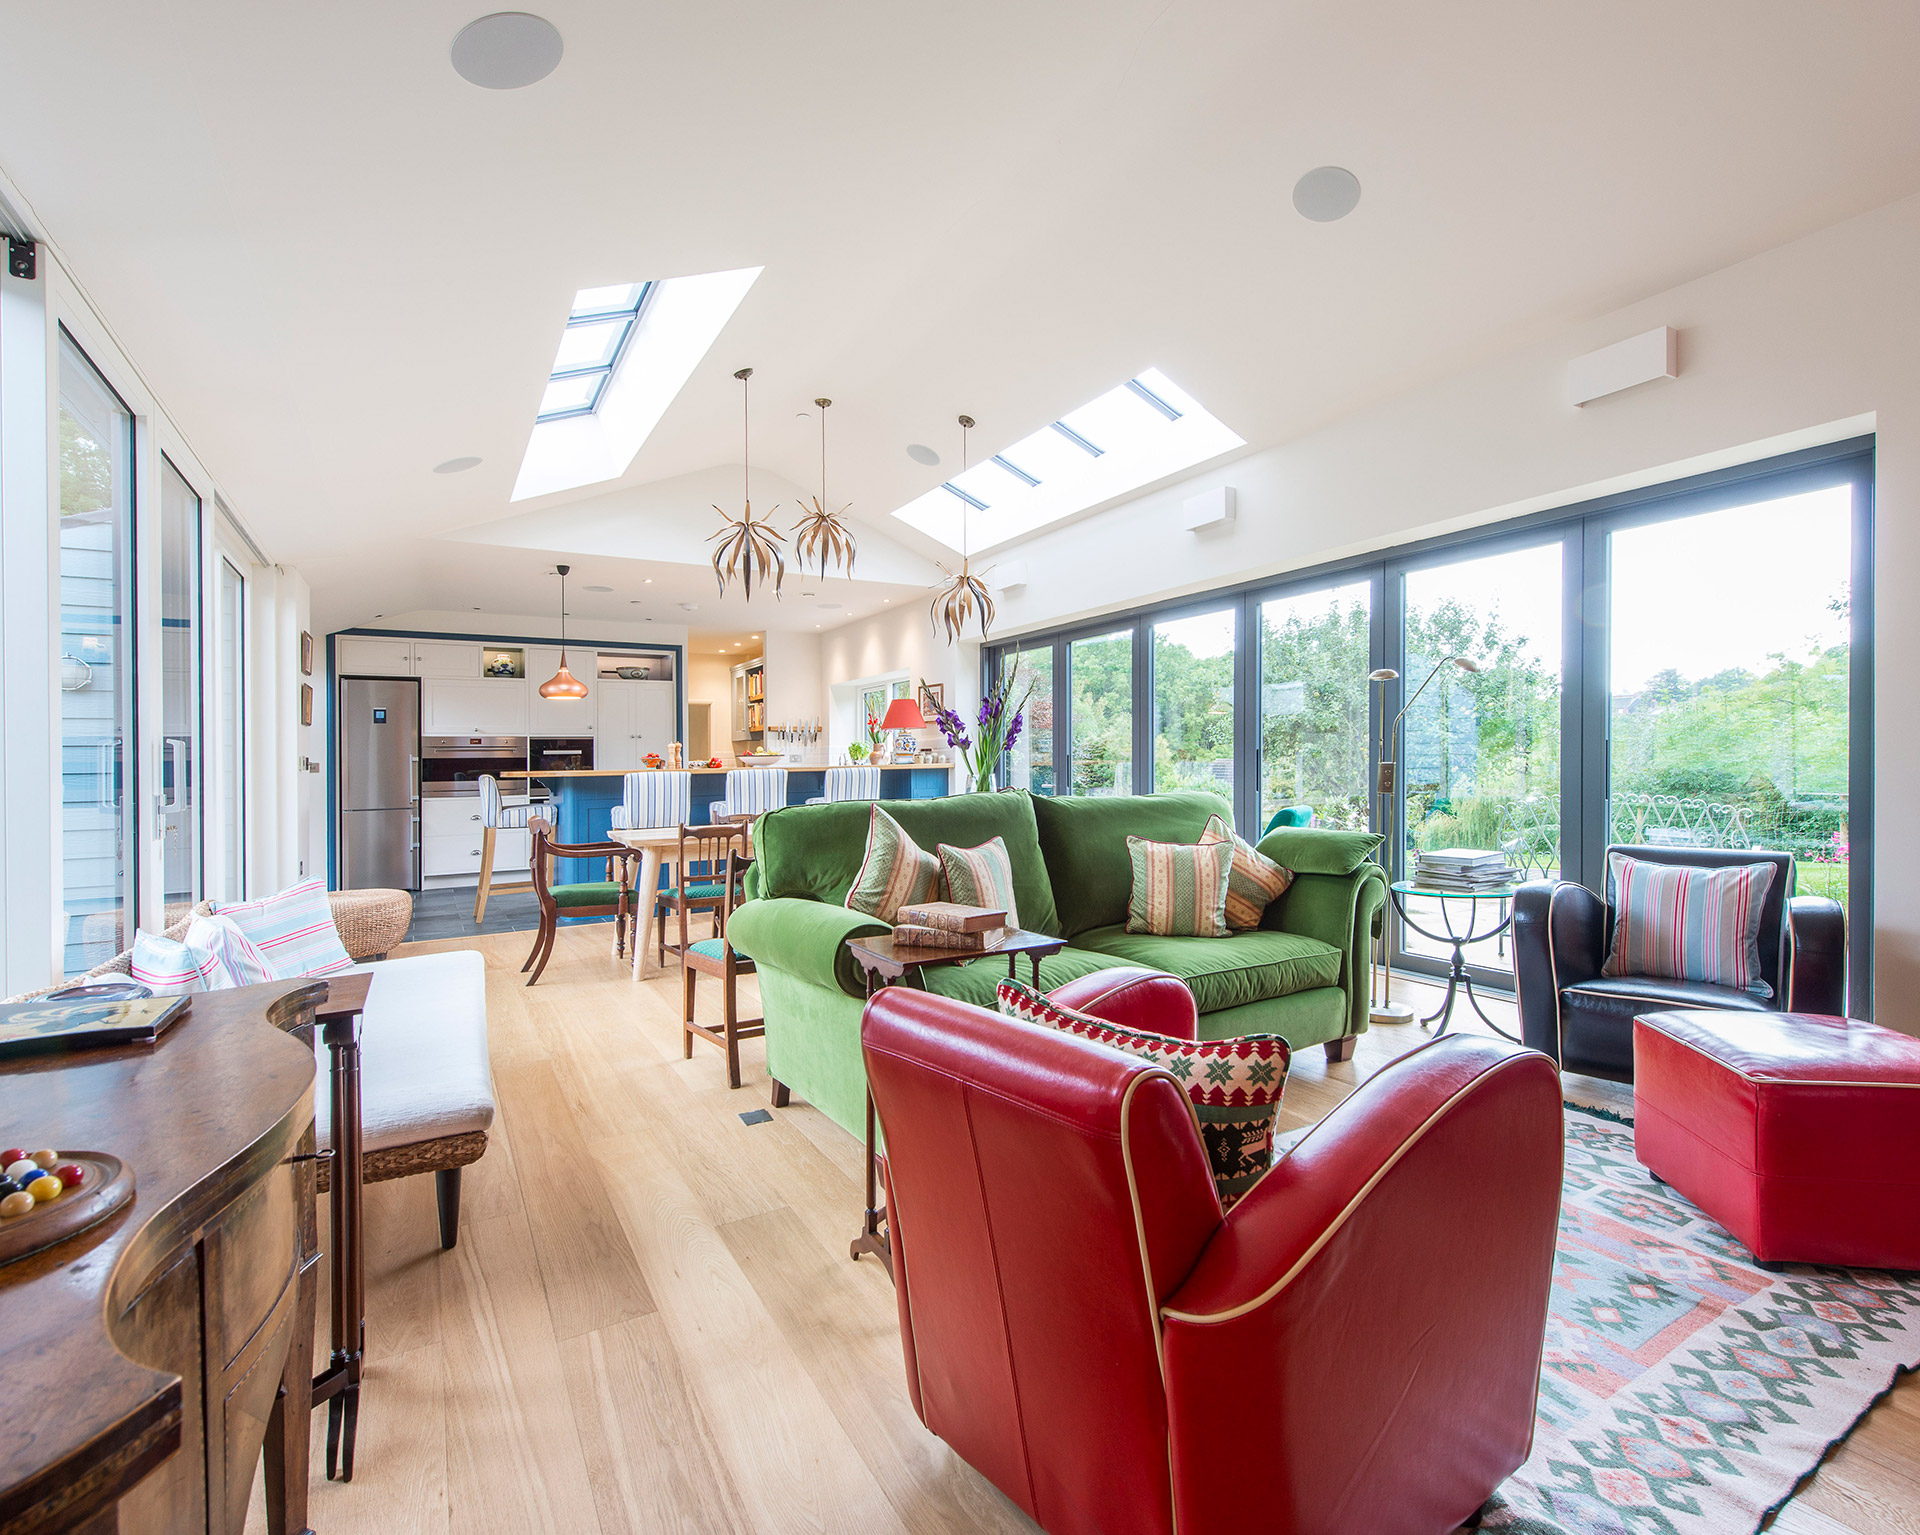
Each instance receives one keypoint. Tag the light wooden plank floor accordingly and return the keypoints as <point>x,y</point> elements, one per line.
<point>651,1324</point>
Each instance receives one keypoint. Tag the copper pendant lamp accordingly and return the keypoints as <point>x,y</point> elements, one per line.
<point>954,603</point>
<point>563,683</point>
<point>747,548</point>
<point>821,534</point>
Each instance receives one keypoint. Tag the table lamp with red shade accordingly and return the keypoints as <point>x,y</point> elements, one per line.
<point>903,714</point>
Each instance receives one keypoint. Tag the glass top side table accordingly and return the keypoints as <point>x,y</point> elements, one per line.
<point>1499,904</point>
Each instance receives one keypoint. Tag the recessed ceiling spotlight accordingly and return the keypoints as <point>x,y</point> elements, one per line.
<point>507,50</point>
<point>1326,193</point>
<point>648,581</point>
<point>920,453</point>
<point>596,588</point>
<point>689,607</point>
<point>828,607</point>
<point>456,466</point>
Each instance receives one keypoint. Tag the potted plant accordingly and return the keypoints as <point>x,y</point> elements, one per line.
<point>993,733</point>
<point>856,753</point>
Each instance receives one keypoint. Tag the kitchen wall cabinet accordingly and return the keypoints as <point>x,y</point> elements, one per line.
<point>358,655</point>
<point>560,716</point>
<point>446,658</point>
<point>634,718</point>
<point>486,707</point>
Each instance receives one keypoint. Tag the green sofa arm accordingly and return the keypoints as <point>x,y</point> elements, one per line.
<point>1338,909</point>
<point>807,939</point>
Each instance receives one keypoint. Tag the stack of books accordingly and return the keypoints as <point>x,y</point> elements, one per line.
<point>1465,869</point>
<point>949,925</point>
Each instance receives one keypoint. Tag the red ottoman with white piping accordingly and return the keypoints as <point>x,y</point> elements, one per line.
<point>1799,1133</point>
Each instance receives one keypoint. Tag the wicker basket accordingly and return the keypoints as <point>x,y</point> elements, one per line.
<point>372,923</point>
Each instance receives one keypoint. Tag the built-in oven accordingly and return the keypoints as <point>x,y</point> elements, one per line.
<point>562,754</point>
<point>453,765</point>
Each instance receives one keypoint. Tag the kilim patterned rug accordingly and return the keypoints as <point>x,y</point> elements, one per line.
<point>1685,1391</point>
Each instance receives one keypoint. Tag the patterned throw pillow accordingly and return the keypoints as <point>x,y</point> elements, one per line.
<point>895,872</point>
<point>1688,924</point>
<point>980,876</point>
<point>1253,883</point>
<point>176,967</point>
<point>1179,888</point>
<point>238,954</point>
<point>294,930</point>
<point>1235,1084</point>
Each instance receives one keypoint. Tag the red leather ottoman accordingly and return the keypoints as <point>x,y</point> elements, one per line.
<point>1799,1133</point>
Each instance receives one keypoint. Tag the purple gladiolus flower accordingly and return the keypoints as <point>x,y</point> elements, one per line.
<point>1013,731</point>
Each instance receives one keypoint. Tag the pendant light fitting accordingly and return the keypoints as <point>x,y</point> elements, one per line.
<point>563,683</point>
<point>747,548</point>
<point>821,534</point>
<point>954,603</point>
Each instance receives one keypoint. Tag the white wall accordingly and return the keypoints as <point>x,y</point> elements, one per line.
<point>900,642</point>
<point>794,690</point>
<point>710,678</point>
<point>1815,341</point>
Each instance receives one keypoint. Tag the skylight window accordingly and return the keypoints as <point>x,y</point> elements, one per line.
<point>625,353</point>
<point>1139,432</point>
<point>597,330</point>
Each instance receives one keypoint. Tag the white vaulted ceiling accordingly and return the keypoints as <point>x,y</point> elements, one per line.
<point>339,264</point>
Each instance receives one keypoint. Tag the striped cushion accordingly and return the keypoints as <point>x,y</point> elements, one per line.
<point>752,791</point>
<point>1179,888</point>
<point>1235,1084</point>
<point>176,967</point>
<point>851,783</point>
<point>980,876</point>
<point>1688,924</point>
<point>294,930</point>
<point>495,814</point>
<point>654,799</point>
<point>896,872</point>
<point>239,955</point>
<point>1253,883</point>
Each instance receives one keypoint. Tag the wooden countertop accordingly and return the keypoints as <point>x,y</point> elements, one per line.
<point>803,767</point>
<point>204,1113</point>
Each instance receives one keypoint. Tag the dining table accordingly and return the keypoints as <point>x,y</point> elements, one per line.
<point>656,845</point>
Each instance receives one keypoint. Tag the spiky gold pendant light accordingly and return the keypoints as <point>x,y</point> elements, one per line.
<point>955,602</point>
<point>748,548</point>
<point>820,534</point>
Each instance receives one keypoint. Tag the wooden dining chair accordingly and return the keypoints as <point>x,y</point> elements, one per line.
<point>695,889</point>
<point>612,897</point>
<point>716,957</point>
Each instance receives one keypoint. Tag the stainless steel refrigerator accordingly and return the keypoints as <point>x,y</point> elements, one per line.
<point>379,734</point>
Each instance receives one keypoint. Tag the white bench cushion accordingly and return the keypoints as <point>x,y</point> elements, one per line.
<point>424,1071</point>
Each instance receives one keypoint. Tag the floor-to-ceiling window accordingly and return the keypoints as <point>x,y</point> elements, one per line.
<point>1315,730</point>
<point>1685,665</point>
<point>1100,702</point>
<point>180,775</point>
<point>96,662</point>
<point>230,728</point>
<point>1193,688</point>
<point>1029,761</point>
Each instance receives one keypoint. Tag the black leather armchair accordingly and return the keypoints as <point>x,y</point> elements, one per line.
<point>1562,932</point>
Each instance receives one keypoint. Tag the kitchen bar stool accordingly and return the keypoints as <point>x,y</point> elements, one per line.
<point>751,791</point>
<point>494,816</point>
<point>850,783</point>
<point>649,801</point>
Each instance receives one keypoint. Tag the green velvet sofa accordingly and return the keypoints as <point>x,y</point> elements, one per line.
<point>1302,974</point>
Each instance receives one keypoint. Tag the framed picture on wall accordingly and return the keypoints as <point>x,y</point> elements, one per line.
<point>933,698</point>
<point>306,654</point>
<point>306,703</point>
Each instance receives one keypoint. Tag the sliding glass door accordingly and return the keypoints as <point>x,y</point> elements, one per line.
<point>1315,730</point>
<point>1193,688</point>
<point>1728,709</point>
<point>179,689</point>
<point>96,662</point>
<point>1029,761</point>
<point>230,728</point>
<point>1100,673</point>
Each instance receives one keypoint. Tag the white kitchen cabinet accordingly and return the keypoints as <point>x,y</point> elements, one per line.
<point>452,838</point>
<point>446,658</point>
<point>486,707</point>
<point>560,716</point>
<point>635,718</point>
<point>359,655</point>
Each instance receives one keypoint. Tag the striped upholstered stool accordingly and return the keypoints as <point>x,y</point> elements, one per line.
<point>494,816</point>
<point>849,783</point>
<point>751,791</point>
<point>653,799</point>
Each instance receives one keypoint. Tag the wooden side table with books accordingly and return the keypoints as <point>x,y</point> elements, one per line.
<point>886,962</point>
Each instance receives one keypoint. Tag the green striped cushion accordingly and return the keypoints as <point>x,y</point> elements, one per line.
<point>1179,888</point>
<point>980,876</point>
<point>896,872</point>
<point>1253,883</point>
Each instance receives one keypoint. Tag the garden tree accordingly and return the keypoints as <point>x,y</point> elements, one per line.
<point>1315,711</point>
<point>1192,716</point>
<point>86,470</point>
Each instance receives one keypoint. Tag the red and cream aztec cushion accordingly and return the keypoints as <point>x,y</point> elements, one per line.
<point>895,872</point>
<point>1235,1084</point>
<point>1254,881</point>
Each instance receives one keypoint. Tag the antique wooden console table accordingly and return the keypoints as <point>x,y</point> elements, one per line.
<point>148,1360</point>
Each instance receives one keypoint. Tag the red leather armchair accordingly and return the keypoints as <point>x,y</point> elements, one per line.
<point>1355,1347</point>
